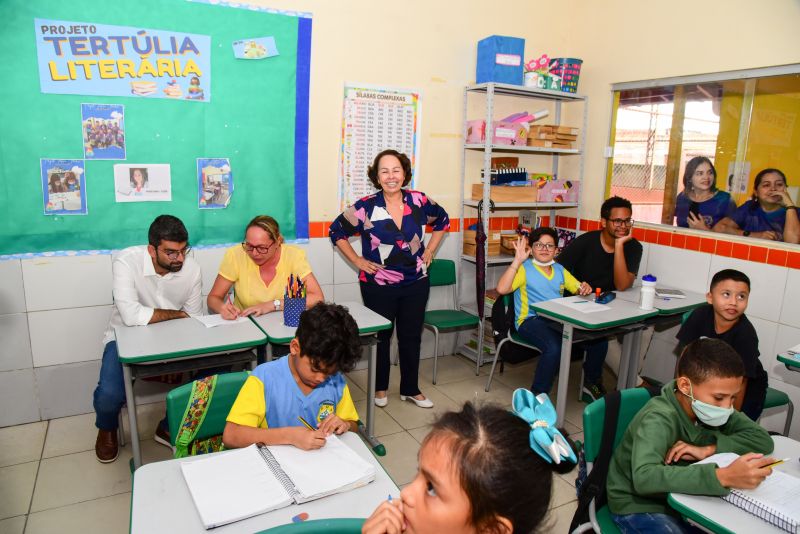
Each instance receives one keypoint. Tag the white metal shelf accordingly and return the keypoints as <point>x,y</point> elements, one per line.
<point>530,92</point>
<point>525,205</point>
<point>491,260</point>
<point>519,149</point>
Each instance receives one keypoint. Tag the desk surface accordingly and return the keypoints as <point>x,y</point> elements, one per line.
<point>721,516</point>
<point>790,359</point>
<point>621,312</point>
<point>161,501</point>
<point>666,306</point>
<point>367,320</point>
<point>183,337</point>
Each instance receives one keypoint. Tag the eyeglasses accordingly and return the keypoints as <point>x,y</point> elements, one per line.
<point>258,248</point>
<point>544,246</point>
<point>173,254</point>
<point>621,222</point>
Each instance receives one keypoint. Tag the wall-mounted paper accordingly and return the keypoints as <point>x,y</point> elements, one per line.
<point>63,186</point>
<point>215,182</point>
<point>103,127</point>
<point>256,48</point>
<point>142,182</point>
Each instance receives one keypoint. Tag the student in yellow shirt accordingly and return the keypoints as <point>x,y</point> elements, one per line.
<point>258,269</point>
<point>307,383</point>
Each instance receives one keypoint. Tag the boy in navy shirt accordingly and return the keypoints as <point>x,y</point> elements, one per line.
<point>723,318</point>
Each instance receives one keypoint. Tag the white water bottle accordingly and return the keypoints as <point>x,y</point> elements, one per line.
<point>648,292</point>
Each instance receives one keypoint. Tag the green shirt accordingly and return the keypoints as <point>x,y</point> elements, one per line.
<point>639,481</point>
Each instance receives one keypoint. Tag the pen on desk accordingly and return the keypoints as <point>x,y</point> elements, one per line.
<point>773,464</point>
<point>308,425</point>
<point>390,497</point>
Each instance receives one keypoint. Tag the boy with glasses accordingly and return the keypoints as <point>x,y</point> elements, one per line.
<point>534,280</point>
<point>152,283</point>
<point>607,259</point>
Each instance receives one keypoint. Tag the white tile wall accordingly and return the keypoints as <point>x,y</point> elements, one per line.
<point>790,311</point>
<point>12,293</point>
<point>774,419</point>
<point>786,337</point>
<point>320,255</point>
<point>67,336</point>
<point>767,285</point>
<point>343,272</point>
<point>66,389</point>
<point>343,292</point>
<point>15,349</point>
<point>65,282</point>
<point>674,267</point>
<point>18,397</point>
<point>642,264</point>
<point>766,332</point>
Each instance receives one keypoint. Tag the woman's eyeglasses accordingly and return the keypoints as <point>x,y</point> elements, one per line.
<point>258,248</point>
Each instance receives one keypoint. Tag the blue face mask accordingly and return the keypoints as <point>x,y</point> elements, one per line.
<point>708,413</point>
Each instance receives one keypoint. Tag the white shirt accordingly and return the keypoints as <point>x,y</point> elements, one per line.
<point>139,290</point>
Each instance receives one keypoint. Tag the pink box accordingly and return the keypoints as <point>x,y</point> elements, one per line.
<point>505,133</point>
<point>559,191</point>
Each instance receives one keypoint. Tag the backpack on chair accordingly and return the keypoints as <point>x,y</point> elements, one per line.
<point>502,326</point>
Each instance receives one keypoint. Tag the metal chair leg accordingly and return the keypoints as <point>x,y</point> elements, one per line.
<point>494,363</point>
<point>789,414</point>
<point>120,430</point>
<point>435,352</point>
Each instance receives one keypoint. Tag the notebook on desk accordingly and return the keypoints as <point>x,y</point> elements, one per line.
<point>775,500</point>
<point>242,483</point>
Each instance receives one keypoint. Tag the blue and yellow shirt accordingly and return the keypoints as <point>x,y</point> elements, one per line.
<point>538,287</point>
<point>271,398</point>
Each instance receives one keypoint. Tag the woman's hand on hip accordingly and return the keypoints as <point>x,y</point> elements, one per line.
<point>367,266</point>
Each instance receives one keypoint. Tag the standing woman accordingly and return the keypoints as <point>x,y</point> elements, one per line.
<point>770,214</point>
<point>701,205</point>
<point>393,264</point>
<point>258,269</point>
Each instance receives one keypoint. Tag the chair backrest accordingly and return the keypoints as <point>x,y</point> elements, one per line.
<point>631,401</point>
<point>442,273</point>
<point>225,393</point>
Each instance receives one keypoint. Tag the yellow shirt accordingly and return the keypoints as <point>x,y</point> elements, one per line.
<point>249,287</point>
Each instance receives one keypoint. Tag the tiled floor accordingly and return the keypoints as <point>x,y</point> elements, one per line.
<point>50,480</point>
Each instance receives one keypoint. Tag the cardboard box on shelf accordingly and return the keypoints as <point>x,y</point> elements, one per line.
<point>503,133</point>
<point>559,191</point>
<point>492,243</point>
<point>504,193</point>
<point>500,60</point>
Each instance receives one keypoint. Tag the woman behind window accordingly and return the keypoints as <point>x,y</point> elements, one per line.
<point>701,205</point>
<point>770,214</point>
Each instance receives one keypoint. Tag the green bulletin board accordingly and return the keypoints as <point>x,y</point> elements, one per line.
<point>257,117</point>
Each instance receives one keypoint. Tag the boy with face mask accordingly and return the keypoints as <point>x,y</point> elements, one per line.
<point>691,420</point>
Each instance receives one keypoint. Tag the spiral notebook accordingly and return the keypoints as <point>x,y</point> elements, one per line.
<point>242,483</point>
<point>775,500</point>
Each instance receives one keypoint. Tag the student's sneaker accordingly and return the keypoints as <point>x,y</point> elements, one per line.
<point>593,392</point>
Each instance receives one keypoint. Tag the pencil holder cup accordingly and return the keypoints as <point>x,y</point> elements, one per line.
<point>292,308</point>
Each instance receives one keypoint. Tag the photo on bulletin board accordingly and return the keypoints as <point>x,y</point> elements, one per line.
<point>142,182</point>
<point>103,127</point>
<point>64,186</point>
<point>214,182</point>
<point>257,48</point>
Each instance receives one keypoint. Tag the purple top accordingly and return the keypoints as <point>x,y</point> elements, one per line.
<point>399,250</point>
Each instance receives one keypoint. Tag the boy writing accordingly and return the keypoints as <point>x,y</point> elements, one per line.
<point>307,383</point>
<point>723,318</point>
<point>691,420</point>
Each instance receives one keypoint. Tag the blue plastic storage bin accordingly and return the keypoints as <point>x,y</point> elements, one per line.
<point>500,59</point>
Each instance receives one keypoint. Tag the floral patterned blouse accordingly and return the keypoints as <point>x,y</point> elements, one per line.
<point>399,250</point>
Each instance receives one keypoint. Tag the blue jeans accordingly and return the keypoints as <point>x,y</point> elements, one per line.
<point>545,335</point>
<point>109,395</point>
<point>651,523</point>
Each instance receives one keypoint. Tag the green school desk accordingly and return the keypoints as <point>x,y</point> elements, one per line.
<point>622,316</point>
<point>369,324</point>
<point>716,515</point>
<point>161,502</point>
<point>791,360</point>
<point>179,345</point>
